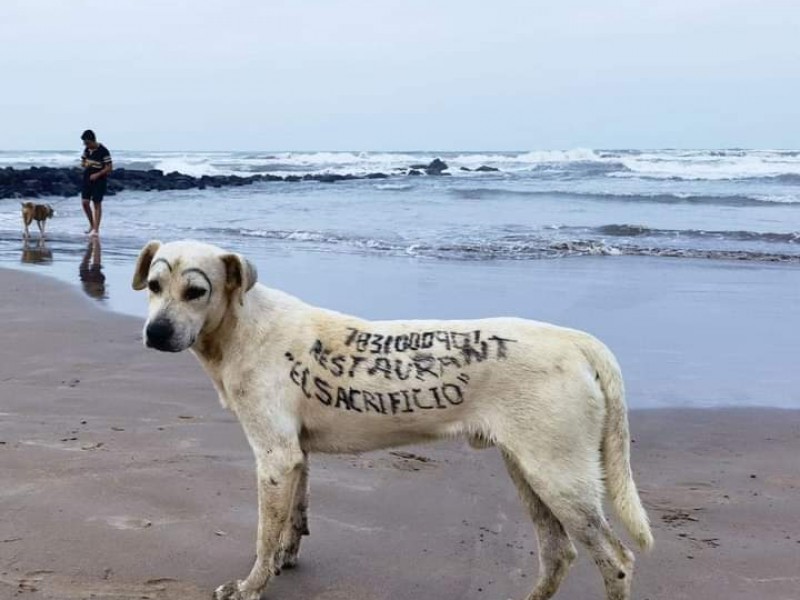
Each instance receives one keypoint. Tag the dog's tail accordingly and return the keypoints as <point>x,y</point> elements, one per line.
<point>616,444</point>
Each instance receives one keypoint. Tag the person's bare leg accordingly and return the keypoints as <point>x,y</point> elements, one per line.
<point>88,211</point>
<point>98,215</point>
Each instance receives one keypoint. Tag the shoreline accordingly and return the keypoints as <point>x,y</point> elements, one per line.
<point>124,478</point>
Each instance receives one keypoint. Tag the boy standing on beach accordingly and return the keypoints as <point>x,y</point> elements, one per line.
<point>96,163</point>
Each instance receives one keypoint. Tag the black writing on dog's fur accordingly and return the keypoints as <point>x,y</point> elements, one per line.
<point>365,401</point>
<point>420,365</point>
<point>416,358</point>
<point>468,344</point>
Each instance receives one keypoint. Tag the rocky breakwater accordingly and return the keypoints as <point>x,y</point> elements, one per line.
<point>37,182</point>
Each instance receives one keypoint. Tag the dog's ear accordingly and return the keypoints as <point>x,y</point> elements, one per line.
<point>240,275</point>
<point>143,264</point>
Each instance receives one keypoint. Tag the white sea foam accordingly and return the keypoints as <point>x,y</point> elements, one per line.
<point>196,166</point>
<point>657,164</point>
<point>696,166</point>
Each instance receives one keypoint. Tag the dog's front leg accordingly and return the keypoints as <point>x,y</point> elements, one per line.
<point>278,476</point>
<point>297,523</point>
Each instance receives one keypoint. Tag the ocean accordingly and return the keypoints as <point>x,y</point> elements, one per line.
<point>687,262</point>
<point>728,204</point>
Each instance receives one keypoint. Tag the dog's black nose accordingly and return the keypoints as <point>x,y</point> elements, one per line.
<point>159,334</point>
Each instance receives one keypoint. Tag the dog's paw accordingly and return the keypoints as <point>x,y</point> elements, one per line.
<point>228,591</point>
<point>233,591</point>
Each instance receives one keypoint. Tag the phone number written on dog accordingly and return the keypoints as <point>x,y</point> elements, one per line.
<point>435,353</point>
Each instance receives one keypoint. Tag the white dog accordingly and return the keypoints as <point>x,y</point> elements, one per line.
<point>303,379</point>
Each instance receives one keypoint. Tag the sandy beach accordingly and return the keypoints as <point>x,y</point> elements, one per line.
<point>122,477</point>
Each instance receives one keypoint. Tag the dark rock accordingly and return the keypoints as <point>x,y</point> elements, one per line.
<point>414,172</point>
<point>485,169</point>
<point>324,178</point>
<point>464,169</point>
<point>436,167</point>
<point>36,182</point>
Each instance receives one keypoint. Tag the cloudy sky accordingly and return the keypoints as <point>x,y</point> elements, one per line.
<point>400,74</point>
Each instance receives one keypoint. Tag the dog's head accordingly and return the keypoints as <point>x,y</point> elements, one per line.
<point>193,286</point>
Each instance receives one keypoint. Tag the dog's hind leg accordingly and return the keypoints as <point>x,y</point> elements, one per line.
<point>297,524</point>
<point>556,551</point>
<point>573,491</point>
<point>610,555</point>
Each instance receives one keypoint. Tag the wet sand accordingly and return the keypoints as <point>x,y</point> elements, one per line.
<point>122,477</point>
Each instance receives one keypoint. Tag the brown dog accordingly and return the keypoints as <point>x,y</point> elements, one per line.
<point>36,212</point>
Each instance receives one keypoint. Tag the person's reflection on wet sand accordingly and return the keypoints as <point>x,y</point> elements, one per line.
<point>38,254</point>
<point>91,271</point>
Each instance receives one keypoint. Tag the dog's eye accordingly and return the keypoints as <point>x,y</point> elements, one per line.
<point>193,293</point>
<point>154,286</point>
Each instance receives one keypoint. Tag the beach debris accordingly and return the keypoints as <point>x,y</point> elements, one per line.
<point>678,517</point>
<point>92,446</point>
<point>411,456</point>
<point>128,522</point>
<point>26,585</point>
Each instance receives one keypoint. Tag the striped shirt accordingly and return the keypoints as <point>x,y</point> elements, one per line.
<point>95,160</point>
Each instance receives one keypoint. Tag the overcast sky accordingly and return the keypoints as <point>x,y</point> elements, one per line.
<point>400,74</point>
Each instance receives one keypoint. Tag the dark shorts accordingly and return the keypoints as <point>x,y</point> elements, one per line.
<point>94,190</point>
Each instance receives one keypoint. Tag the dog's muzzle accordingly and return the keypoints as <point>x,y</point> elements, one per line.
<point>159,334</point>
